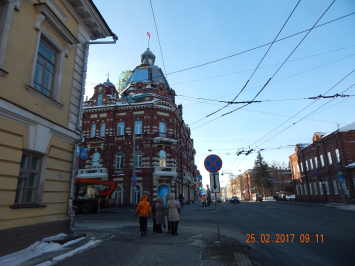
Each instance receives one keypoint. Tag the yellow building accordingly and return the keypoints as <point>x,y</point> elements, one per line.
<point>43,57</point>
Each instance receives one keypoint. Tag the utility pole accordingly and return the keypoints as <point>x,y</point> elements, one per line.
<point>133,164</point>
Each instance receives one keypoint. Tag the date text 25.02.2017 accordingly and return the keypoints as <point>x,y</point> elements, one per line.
<point>284,238</point>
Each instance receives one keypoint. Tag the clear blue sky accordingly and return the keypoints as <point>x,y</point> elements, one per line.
<point>195,32</point>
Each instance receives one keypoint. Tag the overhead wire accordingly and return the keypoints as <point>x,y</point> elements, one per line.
<point>276,70</point>
<point>214,61</point>
<point>156,28</point>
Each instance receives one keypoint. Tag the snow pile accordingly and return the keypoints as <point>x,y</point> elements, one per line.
<point>36,249</point>
<point>352,165</point>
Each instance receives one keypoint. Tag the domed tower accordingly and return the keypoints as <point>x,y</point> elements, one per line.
<point>148,78</point>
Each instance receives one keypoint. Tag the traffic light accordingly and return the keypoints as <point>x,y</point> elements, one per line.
<point>200,188</point>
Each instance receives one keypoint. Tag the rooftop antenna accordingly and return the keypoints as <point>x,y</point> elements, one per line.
<point>338,125</point>
<point>108,75</point>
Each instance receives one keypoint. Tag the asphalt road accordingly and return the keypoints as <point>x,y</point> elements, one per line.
<point>267,219</point>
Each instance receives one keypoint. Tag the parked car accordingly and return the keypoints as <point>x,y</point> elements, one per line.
<point>234,199</point>
<point>219,200</point>
<point>226,200</point>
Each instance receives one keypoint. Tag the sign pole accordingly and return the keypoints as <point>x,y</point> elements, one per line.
<point>219,234</point>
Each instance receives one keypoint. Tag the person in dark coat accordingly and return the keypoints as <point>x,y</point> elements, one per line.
<point>159,215</point>
<point>167,211</point>
<point>181,200</point>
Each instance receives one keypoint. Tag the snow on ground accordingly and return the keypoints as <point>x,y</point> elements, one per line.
<point>90,244</point>
<point>36,249</point>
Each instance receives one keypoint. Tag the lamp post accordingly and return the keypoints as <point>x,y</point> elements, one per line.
<point>133,164</point>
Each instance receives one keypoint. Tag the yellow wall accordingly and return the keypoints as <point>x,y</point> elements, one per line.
<point>18,62</point>
<point>13,138</point>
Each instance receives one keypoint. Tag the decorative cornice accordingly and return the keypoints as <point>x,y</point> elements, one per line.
<point>43,97</point>
<point>56,23</point>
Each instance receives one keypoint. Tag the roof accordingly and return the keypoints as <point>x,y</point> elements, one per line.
<point>347,127</point>
<point>104,21</point>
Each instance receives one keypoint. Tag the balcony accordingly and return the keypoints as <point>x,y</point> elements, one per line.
<point>164,171</point>
<point>94,173</point>
<point>160,137</point>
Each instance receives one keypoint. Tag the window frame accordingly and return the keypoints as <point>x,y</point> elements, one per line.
<point>138,126</point>
<point>138,159</point>
<point>305,189</point>
<point>120,160</point>
<point>119,128</point>
<point>162,159</point>
<point>162,125</point>
<point>99,99</point>
<point>329,155</point>
<point>315,189</point>
<point>301,167</point>
<point>311,163</point>
<point>28,172</point>
<point>321,160</point>
<point>6,14</point>
<point>310,189</point>
<point>307,168</point>
<point>97,162</point>
<point>337,155</point>
<point>93,130</point>
<point>335,187</point>
<point>103,130</point>
<point>316,162</point>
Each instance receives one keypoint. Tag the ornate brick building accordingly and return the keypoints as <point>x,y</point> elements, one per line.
<point>316,166</point>
<point>143,123</point>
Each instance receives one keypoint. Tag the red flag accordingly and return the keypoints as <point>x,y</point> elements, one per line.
<point>148,33</point>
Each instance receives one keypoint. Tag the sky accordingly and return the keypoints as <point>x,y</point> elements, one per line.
<point>193,33</point>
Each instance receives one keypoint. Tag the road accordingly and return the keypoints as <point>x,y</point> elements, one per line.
<point>336,226</point>
<point>267,218</point>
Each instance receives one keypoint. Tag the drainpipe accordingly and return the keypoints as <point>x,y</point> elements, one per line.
<point>76,142</point>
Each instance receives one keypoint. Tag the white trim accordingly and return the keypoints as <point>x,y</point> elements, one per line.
<point>43,97</point>
<point>19,115</point>
<point>57,10</point>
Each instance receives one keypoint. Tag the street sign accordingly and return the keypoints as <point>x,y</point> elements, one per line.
<point>214,181</point>
<point>84,153</point>
<point>340,179</point>
<point>135,177</point>
<point>213,163</point>
<point>314,171</point>
<point>199,177</point>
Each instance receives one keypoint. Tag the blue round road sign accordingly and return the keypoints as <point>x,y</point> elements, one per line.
<point>213,163</point>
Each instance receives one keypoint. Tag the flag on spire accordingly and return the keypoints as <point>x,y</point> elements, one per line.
<point>148,33</point>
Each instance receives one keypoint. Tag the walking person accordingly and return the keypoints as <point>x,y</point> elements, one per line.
<point>159,215</point>
<point>174,217</point>
<point>203,201</point>
<point>143,209</point>
<point>181,201</point>
<point>167,197</point>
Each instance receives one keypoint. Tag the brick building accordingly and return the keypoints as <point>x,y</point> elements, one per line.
<point>164,151</point>
<point>280,178</point>
<point>316,166</point>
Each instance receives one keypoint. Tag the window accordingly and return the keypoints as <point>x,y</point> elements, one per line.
<point>162,127</point>
<point>315,189</point>
<point>310,160</point>
<point>28,179</point>
<point>120,128</point>
<point>337,155</point>
<point>45,66</point>
<point>119,160</point>
<point>301,167</point>
<point>316,162</point>
<point>138,127</point>
<point>138,159</point>
<point>330,158</point>
<point>298,168</point>
<point>162,158</point>
<point>326,187</point>
<point>305,189</point>
<point>93,130</point>
<point>95,160</point>
<point>301,189</point>
<point>310,189</point>
<point>321,160</point>
<point>102,129</point>
<point>294,170</point>
<point>307,165</point>
<point>99,99</point>
<point>320,188</point>
<point>335,186</point>
<point>6,13</point>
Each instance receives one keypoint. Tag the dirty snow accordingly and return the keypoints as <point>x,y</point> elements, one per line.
<point>90,244</point>
<point>35,250</point>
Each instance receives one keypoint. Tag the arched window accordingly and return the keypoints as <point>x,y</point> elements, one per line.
<point>95,160</point>
<point>138,159</point>
<point>119,160</point>
<point>162,158</point>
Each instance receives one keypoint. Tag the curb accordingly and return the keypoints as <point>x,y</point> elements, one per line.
<point>50,255</point>
<point>305,204</point>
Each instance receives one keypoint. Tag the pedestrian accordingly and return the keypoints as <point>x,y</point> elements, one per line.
<point>203,201</point>
<point>167,197</point>
<point>181,201</point>
<point>174,217</point>
<point>143,209</point>
<point>159,215</point>
<point>208,200</point>
<point>154,217</point>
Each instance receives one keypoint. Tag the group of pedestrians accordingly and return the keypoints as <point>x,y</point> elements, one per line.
<point>205,201</point>
<point>161,215</point>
